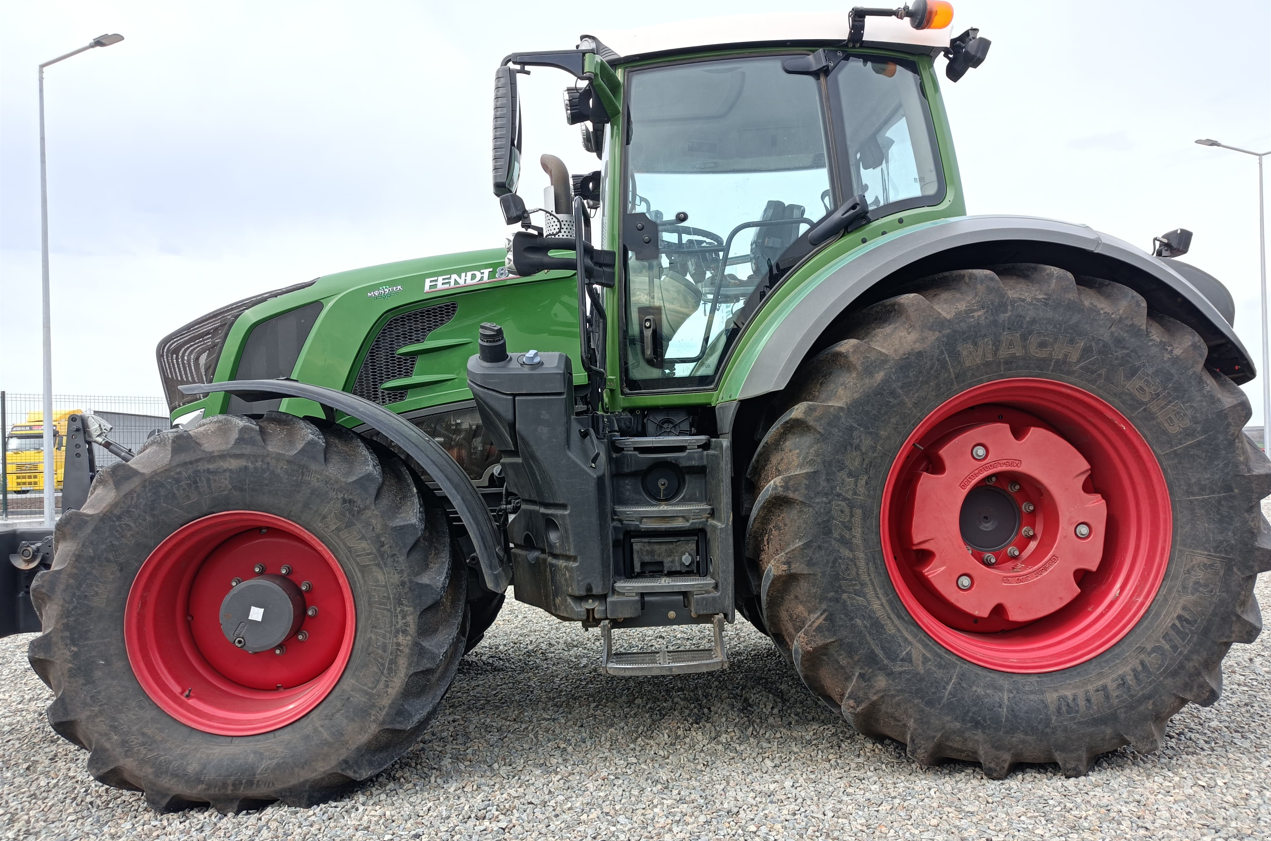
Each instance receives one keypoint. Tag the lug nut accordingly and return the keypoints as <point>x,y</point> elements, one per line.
<point>1028,531</point>
<point>1013,487</point>
<point>979,452</point>
<point>234,582</point>
<point>302,636</point>
<point>306,586</point>
<point>286,570</point>
<point>1083,530</point>
<point>1028,507</point>
<point>991,480</point>
<point>964,581</point>
<point>282,649</point>
<point>989,560</point>
<point>313,611</point>
<point>1012,552</point>
<point>258,569</point>
<point>239,642</point>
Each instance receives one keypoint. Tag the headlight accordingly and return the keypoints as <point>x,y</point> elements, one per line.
<point>189,355</point>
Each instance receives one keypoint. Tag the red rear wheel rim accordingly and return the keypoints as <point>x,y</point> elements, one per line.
<point>187,665</point>
<point>1042,551</point>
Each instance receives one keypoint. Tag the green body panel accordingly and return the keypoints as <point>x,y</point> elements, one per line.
<point>541,312</point>
<point>608,88</point>
<point>538,312</point>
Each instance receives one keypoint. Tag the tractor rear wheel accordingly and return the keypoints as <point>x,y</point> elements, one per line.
<point>249,611</point>
<point>1011,517</point>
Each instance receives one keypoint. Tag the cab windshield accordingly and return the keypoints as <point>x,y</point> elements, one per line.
<point>25,443</point>
<point>742,152</point>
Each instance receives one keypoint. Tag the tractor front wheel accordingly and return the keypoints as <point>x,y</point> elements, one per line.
<point>1011,517</point>
<point>249,611</point>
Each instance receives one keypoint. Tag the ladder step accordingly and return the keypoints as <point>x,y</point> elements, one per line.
<point>662,443</point>
<point>665,584</point>
<point>655,515</point>
<point>664,662</point>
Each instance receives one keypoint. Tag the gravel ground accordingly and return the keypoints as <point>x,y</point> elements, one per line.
<point>532,742</point>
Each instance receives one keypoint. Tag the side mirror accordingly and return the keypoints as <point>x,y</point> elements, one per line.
<point>506,161</point>
<point>1174,244</point>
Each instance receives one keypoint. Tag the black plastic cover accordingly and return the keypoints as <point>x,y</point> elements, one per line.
<point>271,351</point>
<point>561,544</point>
<point>1209,286</point>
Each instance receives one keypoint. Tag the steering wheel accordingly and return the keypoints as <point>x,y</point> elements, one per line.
<point>688,239</point>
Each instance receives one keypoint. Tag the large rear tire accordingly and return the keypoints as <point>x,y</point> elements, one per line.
<point>317,527</point>
<point>1010,633</point>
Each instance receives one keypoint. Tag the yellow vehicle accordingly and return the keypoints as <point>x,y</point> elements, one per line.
<point>25,456</point>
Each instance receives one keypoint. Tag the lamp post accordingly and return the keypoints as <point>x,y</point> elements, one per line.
<point>1262,253</point>
<point>50,475</point>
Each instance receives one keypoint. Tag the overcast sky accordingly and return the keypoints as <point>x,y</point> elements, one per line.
<point>229,148</point>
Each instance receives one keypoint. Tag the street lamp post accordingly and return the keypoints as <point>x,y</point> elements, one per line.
<point>1262,253</point>
<point>50,474</point>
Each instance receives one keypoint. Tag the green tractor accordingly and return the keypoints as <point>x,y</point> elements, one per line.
<point>982,480</point>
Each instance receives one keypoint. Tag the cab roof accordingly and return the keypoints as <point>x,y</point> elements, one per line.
<point>813,29</point>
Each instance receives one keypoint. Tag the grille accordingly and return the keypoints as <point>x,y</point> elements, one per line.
<point>382,362</point>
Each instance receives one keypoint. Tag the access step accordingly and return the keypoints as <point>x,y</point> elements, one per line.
<point>666,661</point>
<point>665,584</point>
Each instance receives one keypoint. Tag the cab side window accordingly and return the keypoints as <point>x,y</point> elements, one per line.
<point>887,126</point>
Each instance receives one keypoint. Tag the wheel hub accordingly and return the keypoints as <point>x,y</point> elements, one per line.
<point>989,519</point>
<point>969,518</point>
<point>260,613</point>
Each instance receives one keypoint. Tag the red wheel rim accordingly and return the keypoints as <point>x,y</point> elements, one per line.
<point>184,661</point>
<point>1049,597</point>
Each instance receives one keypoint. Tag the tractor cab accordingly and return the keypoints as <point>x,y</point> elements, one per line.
<point>731,154</point>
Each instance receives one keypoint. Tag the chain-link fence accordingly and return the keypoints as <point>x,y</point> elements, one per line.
<point>132,421</point>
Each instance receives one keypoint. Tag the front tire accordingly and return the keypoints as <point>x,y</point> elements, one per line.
<point>897,611</point>
<point>171,701</point>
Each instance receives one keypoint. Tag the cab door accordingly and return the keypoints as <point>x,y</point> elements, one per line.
<point>728,162</point>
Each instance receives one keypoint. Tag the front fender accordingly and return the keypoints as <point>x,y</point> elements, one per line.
<point>784,332</point>
<point>496,569</point>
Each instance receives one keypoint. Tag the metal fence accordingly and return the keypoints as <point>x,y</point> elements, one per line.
<point>132,421</point>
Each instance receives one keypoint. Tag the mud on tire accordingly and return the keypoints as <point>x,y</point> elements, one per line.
<point>816,486</point>
<point>391,546</point>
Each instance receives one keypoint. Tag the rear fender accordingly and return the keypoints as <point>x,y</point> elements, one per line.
<point>801,323</point>
<point>496,569</point>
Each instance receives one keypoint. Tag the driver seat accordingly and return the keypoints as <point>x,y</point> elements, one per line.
<point>772,240</point>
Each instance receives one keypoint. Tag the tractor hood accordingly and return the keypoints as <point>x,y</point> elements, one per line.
<point>420,276</point>
<point>398,334</point>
